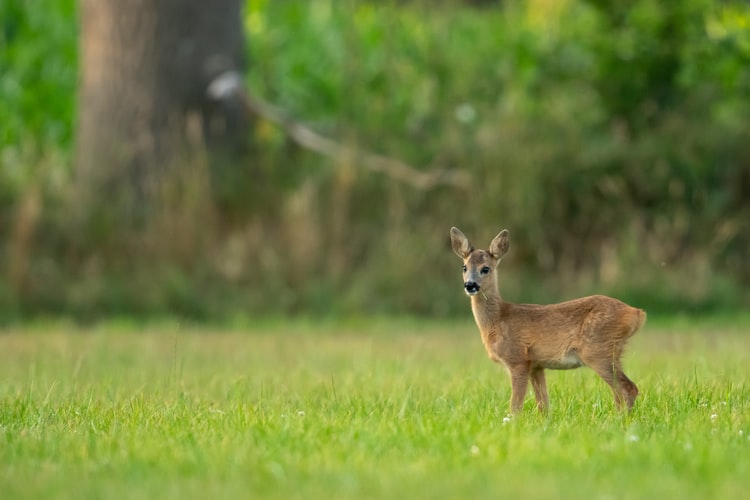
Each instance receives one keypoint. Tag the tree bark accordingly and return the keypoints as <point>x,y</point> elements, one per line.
<point>147,131</point>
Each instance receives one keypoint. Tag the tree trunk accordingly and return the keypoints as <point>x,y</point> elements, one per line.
<point>147,131</point>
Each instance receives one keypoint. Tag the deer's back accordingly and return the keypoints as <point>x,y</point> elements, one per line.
<point>585,319</point>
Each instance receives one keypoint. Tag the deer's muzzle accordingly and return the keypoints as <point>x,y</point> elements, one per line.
<point>471,287</point>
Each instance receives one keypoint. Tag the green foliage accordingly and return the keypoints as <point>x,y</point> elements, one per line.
<point>373,410</point>
<point>38,70</point>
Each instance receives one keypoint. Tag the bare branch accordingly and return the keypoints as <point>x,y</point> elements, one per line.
<point>229,85</point>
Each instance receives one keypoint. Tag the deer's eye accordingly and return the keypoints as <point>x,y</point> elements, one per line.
<point>485,270</point>
<point>464,269</point>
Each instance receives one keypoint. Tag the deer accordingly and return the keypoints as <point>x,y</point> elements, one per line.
<point>530,338</point>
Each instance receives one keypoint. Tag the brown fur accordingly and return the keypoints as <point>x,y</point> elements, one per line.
<point>529,338</point>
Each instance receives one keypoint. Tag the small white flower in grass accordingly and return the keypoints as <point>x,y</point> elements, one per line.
<point>506,420</point>
<point>300,413</point>
<point>465,113</point>
<point>714,416</point>
<point>632,438</point>
<point>474,450</point>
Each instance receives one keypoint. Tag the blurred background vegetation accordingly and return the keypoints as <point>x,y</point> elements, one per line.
<point>611,138</point>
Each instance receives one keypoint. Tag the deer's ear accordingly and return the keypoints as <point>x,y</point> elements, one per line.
<point>500,244</point>
<point>460,243</point>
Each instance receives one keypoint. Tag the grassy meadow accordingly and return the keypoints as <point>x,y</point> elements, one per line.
<point>361,409</point>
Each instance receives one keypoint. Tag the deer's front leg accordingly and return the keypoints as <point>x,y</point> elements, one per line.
<point>539,384</point>
<point>519,376</point>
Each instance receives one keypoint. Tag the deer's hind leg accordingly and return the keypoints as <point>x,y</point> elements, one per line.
<point>627,387</point>
<point>624,390</point>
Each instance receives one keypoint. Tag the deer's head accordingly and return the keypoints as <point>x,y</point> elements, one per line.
<point>479,270</point>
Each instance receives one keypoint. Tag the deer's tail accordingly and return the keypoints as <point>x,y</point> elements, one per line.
<point>639,318</point>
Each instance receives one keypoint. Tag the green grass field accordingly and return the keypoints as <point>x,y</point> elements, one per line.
<point>370,409</point>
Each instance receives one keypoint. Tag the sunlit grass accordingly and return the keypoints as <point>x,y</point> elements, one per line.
<point>382,409</point>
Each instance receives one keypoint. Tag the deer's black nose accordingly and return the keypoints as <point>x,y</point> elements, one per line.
<point>471,287</point>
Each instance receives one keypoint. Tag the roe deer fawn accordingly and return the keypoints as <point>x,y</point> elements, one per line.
<point>527,338</point>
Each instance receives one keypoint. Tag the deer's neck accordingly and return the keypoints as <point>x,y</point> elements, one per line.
<point>487,307</point>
